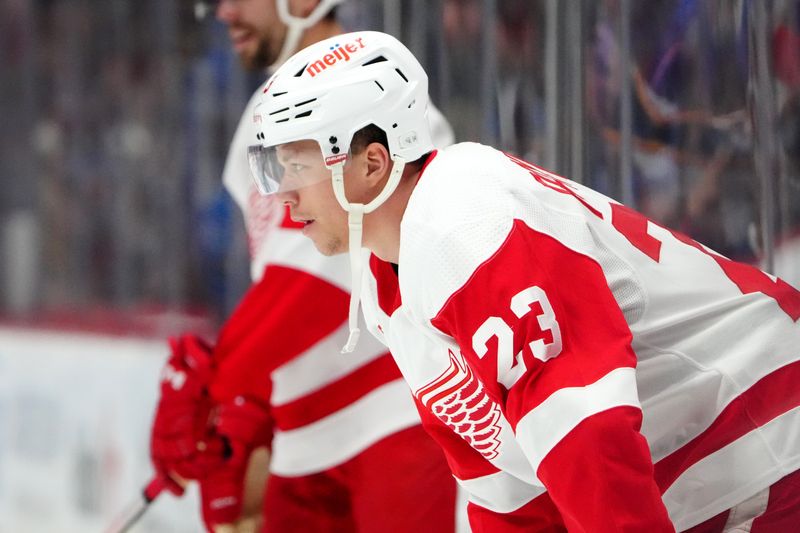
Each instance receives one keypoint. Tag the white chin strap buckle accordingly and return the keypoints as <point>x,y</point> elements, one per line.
<point>352,340</point>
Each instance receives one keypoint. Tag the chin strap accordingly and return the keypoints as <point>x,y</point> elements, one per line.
<point>355,219</point>
<point>295,26</point>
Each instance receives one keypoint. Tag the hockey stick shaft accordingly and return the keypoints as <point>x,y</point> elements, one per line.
<point>127,519</point>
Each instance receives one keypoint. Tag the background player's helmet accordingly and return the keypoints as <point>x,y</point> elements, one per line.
<point>326,93</point>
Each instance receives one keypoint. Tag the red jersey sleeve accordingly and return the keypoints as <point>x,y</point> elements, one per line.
<point>541,328</point>
<point>272,324</point>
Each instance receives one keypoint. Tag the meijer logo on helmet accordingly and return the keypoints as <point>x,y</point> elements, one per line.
<point>339,53</point>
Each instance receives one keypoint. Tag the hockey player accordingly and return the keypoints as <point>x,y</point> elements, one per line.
<point>348,452</point>
<point>582,367</point>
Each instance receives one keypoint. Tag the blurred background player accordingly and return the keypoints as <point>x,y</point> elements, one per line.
<point>339,434</point>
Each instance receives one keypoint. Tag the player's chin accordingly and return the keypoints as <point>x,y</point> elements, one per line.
<point>252,60</point>
<point>329,247</point>
<point>248,61</point>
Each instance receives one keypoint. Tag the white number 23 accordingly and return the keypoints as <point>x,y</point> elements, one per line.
<point>511,367</point>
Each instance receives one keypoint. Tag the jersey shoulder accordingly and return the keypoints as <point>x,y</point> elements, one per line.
<point>459,214</point>
<point>461,184</point>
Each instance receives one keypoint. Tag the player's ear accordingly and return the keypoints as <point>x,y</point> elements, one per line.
<point>377,163</point>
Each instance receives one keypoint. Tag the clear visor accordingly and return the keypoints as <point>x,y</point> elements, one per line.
<point>287,167</point>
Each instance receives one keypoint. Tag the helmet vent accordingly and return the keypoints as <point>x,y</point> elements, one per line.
<point>304,114</point>
<point>300,72</point>
<point>401,74</point>
<point>305,102</point>
<point>380,86</point>
<point>278,94</point>
<point>279,111</point>
<point>412,103</point>
<point>374,60</point>
<point>283,120</point>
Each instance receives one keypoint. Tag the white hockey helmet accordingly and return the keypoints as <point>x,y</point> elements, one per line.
<point>334,88</point>
<point>326,93</point>
<point>295,25</point>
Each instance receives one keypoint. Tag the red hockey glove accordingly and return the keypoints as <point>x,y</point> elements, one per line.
<point>180,426</point>
<point>242,425</point>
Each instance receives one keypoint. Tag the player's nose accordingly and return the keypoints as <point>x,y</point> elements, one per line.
<point>287,196</point>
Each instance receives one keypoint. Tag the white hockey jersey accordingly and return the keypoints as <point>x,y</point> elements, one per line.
<point>578,363</point>
<point>283,341</point>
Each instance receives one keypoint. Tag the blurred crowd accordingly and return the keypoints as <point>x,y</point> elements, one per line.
<point>117,117</point>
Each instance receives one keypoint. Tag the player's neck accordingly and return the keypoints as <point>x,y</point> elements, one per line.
<point>319,32</point>
<point>382,226</point>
